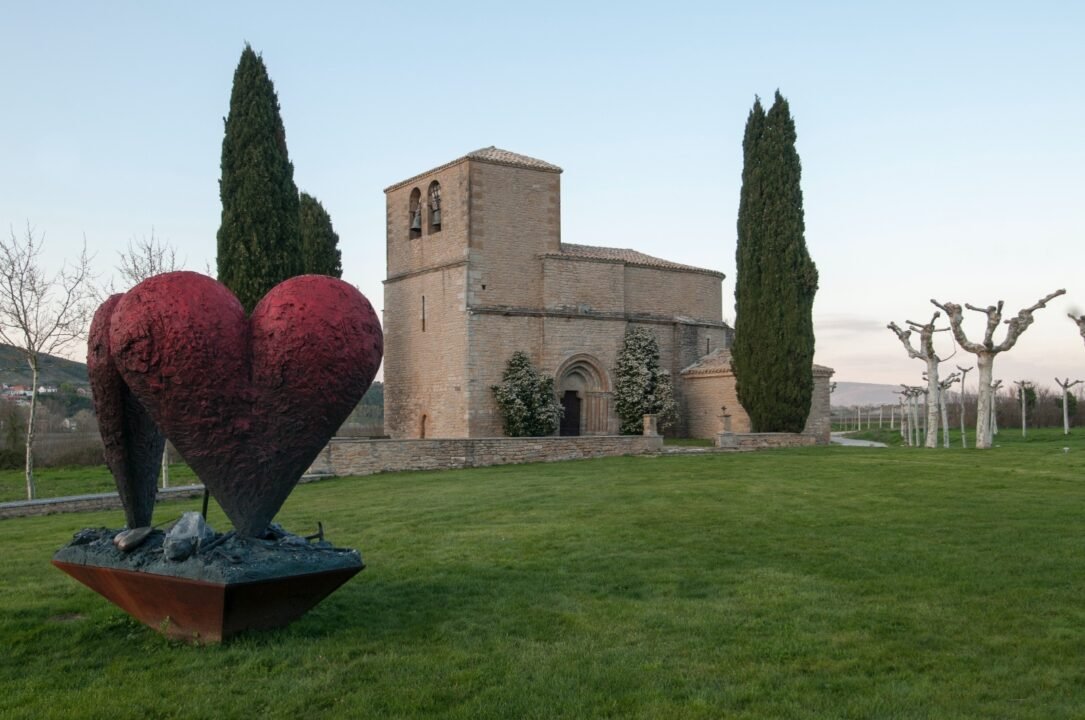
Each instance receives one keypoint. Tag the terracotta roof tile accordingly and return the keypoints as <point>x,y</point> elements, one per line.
<point>719,362</point>
<point>627,256</point>
<point>504,157</point>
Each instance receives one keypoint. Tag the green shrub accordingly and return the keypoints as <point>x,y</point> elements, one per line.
<point>526,400</point>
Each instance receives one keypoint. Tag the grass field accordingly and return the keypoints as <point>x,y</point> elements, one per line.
<point>812,583</point>
<point>63,481</point>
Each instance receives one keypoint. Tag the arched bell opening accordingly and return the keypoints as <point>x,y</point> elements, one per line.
<point>414,214</point>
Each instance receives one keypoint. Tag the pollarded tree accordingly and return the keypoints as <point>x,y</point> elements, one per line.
<point>927,354</point>
<point>641,386</point>
<point>259,244</point>
<point>526,399</point>
<point>776,279</point>
<point>1068,403</point>
<point>319,241</point>
<point>987,349</point>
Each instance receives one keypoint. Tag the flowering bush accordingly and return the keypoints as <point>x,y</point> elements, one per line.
<point>642,387</point>
<point>526,400</point>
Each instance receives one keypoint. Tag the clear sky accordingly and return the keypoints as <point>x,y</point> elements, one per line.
<point>943,143</point>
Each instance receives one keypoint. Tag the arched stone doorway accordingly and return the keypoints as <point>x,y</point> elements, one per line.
<point>583,387</point>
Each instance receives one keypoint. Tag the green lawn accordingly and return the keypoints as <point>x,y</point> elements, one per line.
<point>60,482</point>
<point>812,583</point>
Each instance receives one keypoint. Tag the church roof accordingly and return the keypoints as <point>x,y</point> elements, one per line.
<point>492,155</point>
<point>718,362</point>
<point>497,156</point>
<point>627,256</point>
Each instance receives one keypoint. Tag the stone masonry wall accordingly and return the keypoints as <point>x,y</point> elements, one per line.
<point>654,291</point>
<point>583,286</point>
<point>89,503</point>
<point>433,249</point>
<point>425,372</point>
<point>704,394</point>
<point>350,456</point>
<point>772,441</point>
<point>515,218</point>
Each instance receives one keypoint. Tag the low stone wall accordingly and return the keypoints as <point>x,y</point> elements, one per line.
<point>351,456</point>
<point>86,503</point>
<point>764,441</point>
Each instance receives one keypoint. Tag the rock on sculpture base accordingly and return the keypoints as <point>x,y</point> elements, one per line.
<point>248,584</point>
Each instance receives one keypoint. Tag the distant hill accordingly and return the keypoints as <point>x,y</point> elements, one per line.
<point>54,370</point>
<point>848,394</point>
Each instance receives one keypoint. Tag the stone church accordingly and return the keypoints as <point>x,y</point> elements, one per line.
<point>477,271</point>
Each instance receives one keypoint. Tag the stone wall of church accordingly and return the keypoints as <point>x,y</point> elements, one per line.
<point>671,293</point>
<point>492,339</point>
<point>705,394</point>
<point>515,216</point>
<point>583,286</point>
<point>433,249</point>
<point>425,371</point>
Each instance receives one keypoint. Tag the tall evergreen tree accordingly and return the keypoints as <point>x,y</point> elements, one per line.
<point>319,242</point>
<point>259,244</point>
<point>773,352</point>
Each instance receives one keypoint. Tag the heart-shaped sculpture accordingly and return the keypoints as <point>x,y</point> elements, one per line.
<point>133,445</point>
<point>248,402</point>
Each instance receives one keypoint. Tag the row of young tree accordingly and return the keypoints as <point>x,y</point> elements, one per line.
<point>1043,408</point>
<point>269,232</point>
<point>985,351</point>
<point>530,408</point>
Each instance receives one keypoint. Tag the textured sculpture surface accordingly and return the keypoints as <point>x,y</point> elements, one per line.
<point>133,445</point>
<point>249,402</point>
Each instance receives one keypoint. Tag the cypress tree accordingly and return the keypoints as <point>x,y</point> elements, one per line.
<point>776,279</point>
<point>259,244</point>
<point>319,242</point>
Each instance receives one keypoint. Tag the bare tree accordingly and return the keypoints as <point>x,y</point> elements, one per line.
<point>944,385</point>
<point>40,315</point>
<point>905,433</point>
<point>911,394</point>
<point>1022,391</point>
<point>144,259</point>
<point>985,351</point>
<point>995,386</point>
<point>1066,385</point>
<point>927,354</point>
<point>964,374</point>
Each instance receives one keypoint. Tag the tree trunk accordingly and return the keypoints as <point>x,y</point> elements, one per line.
<point>166,465</point>
<point>964,438</point>
<point>1065,411</point>
<point>945,417</point>
<point>984,409</point>
<point>904,431</point>
<point>31,488</point>
<point>1024,431</point>
<point>915,421</point>
<point>933,401</point>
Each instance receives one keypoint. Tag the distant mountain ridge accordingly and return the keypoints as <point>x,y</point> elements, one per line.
<point>54,370</point>
<point>848,394</point>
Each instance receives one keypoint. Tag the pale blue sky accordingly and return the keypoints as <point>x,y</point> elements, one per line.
<point>936,138</point>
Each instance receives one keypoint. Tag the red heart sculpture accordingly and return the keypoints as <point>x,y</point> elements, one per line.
<point>132,444</point>
<point>248,402</point>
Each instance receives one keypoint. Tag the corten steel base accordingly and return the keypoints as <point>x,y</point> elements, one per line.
<point>201,611</point>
